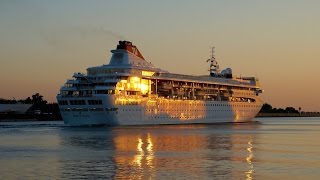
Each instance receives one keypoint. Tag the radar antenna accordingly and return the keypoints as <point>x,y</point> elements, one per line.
<point>214,66</point>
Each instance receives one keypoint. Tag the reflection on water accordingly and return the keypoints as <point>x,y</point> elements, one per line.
<point>88,153</point>
<point>143,159</point>
<point>269,150</point>
<point>150,153</point>
<point>193,151</point>
<point>142,154</point>
<point>138,157</point>
<point>249,159</point>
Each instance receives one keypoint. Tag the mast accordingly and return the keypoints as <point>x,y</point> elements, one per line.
<point>214,66</point>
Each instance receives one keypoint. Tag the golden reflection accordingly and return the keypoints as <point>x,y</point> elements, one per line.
<point>150,155</point>
<point>142,160</point>
<point>249,173</point>
<point>144,155</point>
<point>136,152</point>
<point>137,160</point>
<point>139,146</point>
<point>197,150</point>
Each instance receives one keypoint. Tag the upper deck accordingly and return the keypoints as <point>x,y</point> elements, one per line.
<point>128,61</point>
<point>129,72</point>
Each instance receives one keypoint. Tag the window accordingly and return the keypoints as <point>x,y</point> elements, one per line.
<point>95,102</point>
<point>77,102</point>
<point>63,102</point>
<point>105,91</point>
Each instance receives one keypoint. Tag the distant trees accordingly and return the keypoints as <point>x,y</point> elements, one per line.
<point>267,108</point>
<point>8,101</point>
<point>28,101</point>
<point>291,110</point>
<point>40,104</point>
<point>37,101</point>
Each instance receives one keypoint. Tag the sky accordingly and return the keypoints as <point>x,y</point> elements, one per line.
<point>42,42</point>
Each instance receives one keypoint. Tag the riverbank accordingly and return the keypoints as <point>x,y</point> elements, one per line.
<point>57,117</point>
<point>30,117</point>
<point>305,114</point>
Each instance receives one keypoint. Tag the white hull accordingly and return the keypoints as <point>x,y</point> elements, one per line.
<point>161,111</point>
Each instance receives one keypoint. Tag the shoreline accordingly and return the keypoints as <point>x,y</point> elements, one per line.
<point>57,117</point>
<point>29,117</point>
<point>265,115</point>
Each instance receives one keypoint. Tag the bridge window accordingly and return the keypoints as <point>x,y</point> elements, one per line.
<point>63,102</point>
<point>95,102</point>
<point>77,102</point>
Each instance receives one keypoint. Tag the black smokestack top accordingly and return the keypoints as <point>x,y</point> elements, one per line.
<point>123,44</point>
<point>127,45</point>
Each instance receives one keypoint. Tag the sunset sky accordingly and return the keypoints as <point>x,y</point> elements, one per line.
<point>42,43</point>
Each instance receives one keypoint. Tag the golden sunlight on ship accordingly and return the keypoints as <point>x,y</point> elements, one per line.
<point>237,118</point>
<point>134,79</point>
<point>249,173</point>
<point>137,84</point>
<point>183,110</point>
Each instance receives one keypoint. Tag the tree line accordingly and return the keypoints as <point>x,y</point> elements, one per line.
<point>267,108</point>
<point>38,103</point>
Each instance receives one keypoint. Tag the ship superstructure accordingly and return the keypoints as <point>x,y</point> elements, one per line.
<point>131,91</point>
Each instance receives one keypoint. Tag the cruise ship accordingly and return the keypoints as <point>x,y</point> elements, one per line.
<point>132,91</point>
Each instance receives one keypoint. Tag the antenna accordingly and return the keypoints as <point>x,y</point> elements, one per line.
<point>212,53</point>
<point>214,67</point>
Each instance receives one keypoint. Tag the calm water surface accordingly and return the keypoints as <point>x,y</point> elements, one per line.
<point>272,148</point>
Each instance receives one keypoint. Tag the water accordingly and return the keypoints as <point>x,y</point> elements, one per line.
<point>272,148</point>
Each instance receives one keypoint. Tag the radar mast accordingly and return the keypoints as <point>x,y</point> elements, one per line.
<point>214,66</point>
